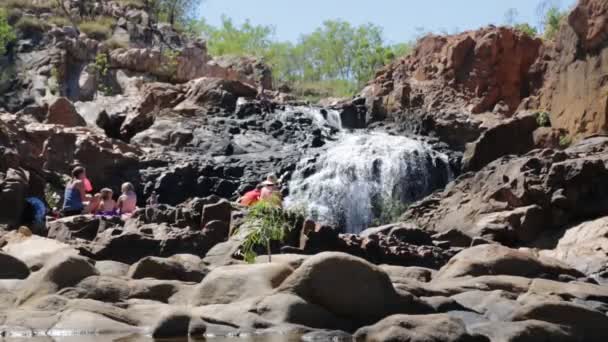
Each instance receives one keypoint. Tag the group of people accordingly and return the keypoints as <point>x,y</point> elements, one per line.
<point>267,191</point>
<point>78,200</point>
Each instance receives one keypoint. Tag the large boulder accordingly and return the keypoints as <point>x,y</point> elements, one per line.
<point>499,260</point>
<point>524,331</point>
<point>229,284</point>
<point>359,291</point>
<point>60,272</point>
<point>513,136</point>
<point>584,247</point>
<point>35,251</point>
<point>63,112</point>
<point>417,328</point>
<point>81,227</point>
<point>587,325</point>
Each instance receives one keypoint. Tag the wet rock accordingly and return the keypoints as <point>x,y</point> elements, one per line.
<point>14,187</point>
<point>12,268</point>
<point>171,326</point>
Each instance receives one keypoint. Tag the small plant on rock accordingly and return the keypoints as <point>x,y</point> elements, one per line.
<point>265,222</point>
<point>102,67</point>
<point>170,58</point>
<point>543,119</point>
<point>52,197</point>
<point>565,141</point>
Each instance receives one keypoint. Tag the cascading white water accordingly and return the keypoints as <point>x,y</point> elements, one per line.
<point>353,182</point>
<point>319,116</point>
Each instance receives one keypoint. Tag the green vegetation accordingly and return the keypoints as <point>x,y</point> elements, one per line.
<point>99,28</point>
<point>175,12</point>
<point>265,222</point>
<point>553,19</point>
<point>565,141</point>
<point>102,67</point>
<point>390,210</point>
<point>59,21</point>
<point>52,197</point>
<point>527,29</point>
<point>56,80</point>
<point>31,5</point>
<point>543,119</point>
<point>31,25</point>
<point>171,62</point>
<point>337,57</point>
<point>7,35</point>
<point>113,44</point>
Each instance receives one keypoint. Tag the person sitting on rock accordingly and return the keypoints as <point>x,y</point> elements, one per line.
<point>127,202</point>
<point>107,206</point>
<point>76,201</point>
<point>153,199</point>
<point>251,197</point>
<point>270,192</point>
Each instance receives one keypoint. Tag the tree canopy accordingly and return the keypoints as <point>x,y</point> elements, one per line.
<point>337,52</point>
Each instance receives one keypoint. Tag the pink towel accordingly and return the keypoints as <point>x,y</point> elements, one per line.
<point>87,185</point>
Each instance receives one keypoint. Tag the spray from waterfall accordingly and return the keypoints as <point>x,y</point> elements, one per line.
<point>363,176</point>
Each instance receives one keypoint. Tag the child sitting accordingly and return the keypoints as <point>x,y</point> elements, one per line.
<point>127,202</point>
<point>107,206</point>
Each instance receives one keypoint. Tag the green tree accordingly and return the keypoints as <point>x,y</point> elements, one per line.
<point>527,28</point>
<point>265,222</point>
<point>175,12</point>
<point>7,34</point>
<point>553,19</point>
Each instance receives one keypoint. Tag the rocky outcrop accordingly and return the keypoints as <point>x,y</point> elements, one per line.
<point>448,78</point>
<point>515,199</point>
<point>573,92</point>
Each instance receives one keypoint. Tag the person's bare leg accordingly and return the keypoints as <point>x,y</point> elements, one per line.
<point>93,204</point>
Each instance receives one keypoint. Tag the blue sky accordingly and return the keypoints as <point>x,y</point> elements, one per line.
<point>399,18</point>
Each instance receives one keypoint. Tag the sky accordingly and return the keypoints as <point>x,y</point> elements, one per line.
<point>402,20</point>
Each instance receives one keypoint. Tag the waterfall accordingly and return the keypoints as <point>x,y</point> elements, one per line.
<point>359,179</point>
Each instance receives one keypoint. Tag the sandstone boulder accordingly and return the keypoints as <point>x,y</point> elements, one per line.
<point>417,328</point>
<point>514,136</point>
<point>59,272</point>
<point>228,284</point>
<point>587,325</point>
<point>584,247</point>
<point>360,292</point>
<point>168,269</point>
<point>524,331</point>
<point>500,260</point>
<point>35,251</point>
<point>63,112</point>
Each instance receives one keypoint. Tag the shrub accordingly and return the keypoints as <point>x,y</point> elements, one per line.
<point>98,29</point>
<point>60,21</point>
<point>266,222</point>
<point>6,32</point>
<point>113,44</point>
<point>40,5</point>
<point>52,197</point>
<point>543,119</point>
<point>29,26</point>
<point>527,29</point>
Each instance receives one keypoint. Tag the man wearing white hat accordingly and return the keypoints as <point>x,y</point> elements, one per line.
<point>270,191</point>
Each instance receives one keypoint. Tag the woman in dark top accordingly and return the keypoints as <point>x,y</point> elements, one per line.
<point>76,201</point>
